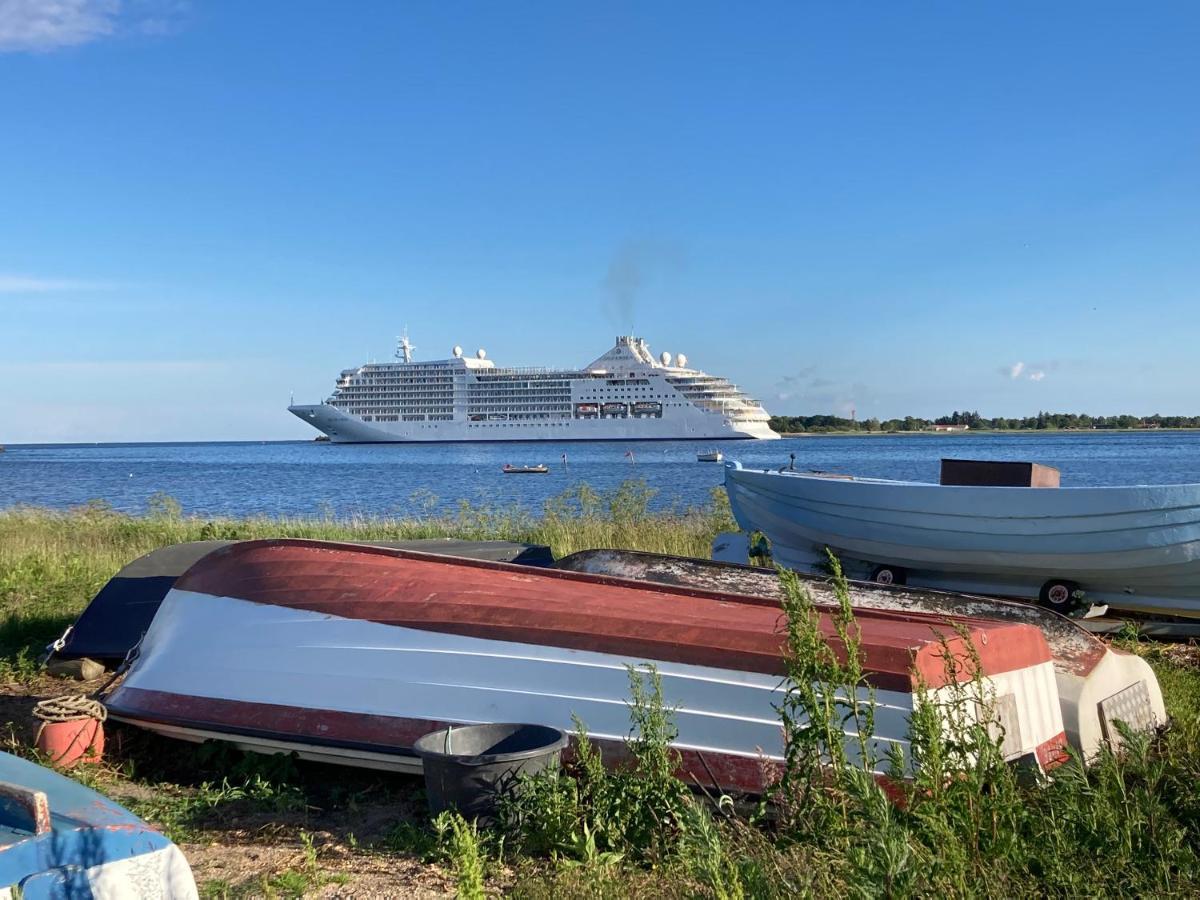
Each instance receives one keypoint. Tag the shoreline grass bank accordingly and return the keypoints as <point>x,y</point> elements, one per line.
<point>1043,432</point>
<point>1130,825</point>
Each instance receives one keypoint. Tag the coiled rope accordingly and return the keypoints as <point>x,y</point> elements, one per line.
<point>69,708</point>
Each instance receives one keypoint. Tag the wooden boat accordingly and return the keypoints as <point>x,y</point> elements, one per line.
<point>525,470</point>
<point>1096,682</point>
<point>346,653</point>
<point>122,610</point>
<point>1134,548</point>
<point>61,839</point>
<point>710,456</point>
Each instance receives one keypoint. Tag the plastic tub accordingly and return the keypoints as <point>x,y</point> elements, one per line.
<point>468,768</point>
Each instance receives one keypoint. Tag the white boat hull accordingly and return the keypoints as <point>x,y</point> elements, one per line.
<point>1132,547</point>
<point>678,424</point>
<point>352,653</point>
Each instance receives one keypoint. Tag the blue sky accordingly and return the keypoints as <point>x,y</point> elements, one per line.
<point>903,208</point>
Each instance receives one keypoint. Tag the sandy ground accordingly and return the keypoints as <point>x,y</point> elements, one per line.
<point>239,849</point>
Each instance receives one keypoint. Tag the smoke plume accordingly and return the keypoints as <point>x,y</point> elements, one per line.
<point>634,265</point>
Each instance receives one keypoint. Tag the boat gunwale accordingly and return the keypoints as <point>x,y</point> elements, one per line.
<point>836,477</point>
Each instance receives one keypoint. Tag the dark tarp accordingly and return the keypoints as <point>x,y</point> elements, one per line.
<point>121,612</point>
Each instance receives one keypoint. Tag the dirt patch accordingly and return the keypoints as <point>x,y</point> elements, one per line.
<point>245,868</point>
<point>252,825</point>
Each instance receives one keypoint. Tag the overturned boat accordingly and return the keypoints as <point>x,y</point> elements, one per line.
<point>346,653</point>
<point>1133,548</point>
<point>117,617</point>
<point>1097,684</point>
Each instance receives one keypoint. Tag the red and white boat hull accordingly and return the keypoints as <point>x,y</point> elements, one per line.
<point>349,654</point>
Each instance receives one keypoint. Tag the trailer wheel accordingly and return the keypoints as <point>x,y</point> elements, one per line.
<point>1058,595</point>
<point>889,575</point>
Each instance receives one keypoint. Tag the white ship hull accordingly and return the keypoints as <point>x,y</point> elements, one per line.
<point>624,395</point>
<point>690,424</point>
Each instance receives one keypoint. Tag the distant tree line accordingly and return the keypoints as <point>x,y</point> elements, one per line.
<point>1043,421</point>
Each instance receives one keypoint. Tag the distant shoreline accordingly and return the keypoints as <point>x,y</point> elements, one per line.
<point>979,431</point>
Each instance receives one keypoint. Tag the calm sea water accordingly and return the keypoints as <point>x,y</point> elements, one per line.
<point>308,478</point>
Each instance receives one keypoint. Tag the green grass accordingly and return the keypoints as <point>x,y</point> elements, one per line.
<point>1124,825</point>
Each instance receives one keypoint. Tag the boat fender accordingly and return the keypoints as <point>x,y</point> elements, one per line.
<point>72,729</point>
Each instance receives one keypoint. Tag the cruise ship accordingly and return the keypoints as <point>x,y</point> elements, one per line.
<point>626,394</point>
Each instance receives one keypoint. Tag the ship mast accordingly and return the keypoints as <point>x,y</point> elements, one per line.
<point>404,347</point>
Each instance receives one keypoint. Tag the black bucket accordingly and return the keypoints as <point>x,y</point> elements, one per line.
<point>468,768</point>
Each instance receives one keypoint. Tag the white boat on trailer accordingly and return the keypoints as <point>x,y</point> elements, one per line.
<point>347,653</point>
<point>1133,548</point>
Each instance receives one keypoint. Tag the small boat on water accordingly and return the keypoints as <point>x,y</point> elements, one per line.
<point>345,653</point>
<point>710,456</point>
<point>525,470</point>
<point>1133,548</point>
<point>1096,682</point>
<point>61,839</point>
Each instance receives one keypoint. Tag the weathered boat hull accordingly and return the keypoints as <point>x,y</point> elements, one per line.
<point>1088,672</point>
<point>355,651</point>
<point>122,610</point>
<point>1131,547</point>
<point>61,839</point>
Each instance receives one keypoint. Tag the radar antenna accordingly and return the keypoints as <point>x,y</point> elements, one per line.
<point>404,347</point>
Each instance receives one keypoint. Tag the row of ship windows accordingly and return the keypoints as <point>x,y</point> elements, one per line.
<point>521,417</point>
<point>407,418</point>
<point>511,424</point>
<point>363,407</point>
<point>482,417</point>
<point>357,391</point>
<point>517,407</point>
<point>380,412</point>
<point>399,388</point>
<point>397,383</point>
<point>526,410</point>
<point>649,415</point>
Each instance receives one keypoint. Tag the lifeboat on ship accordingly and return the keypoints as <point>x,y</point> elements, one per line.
<point>647,408</point>
<point>348,654</point>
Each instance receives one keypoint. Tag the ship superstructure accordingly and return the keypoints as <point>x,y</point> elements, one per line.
<point>626,394</point>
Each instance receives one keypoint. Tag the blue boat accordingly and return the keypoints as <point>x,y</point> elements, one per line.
<point>59,839</point>
<point>1134,547</point>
